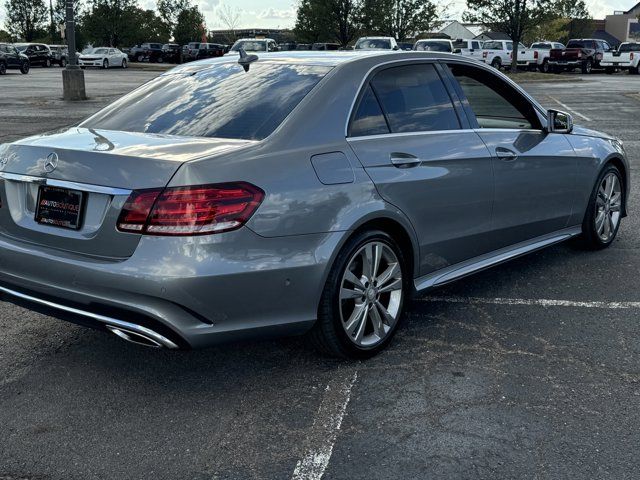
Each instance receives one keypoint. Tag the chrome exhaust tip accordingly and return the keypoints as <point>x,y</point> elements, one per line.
<point>136,337</point>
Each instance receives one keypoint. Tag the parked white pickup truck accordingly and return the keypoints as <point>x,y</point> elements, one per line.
<point>498,53</point>
<point>627,56</point>
<point>537,56</point>
<point>469,48</point>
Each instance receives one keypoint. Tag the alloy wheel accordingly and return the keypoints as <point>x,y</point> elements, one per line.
<point>608,206</point>
<point>371,293</point>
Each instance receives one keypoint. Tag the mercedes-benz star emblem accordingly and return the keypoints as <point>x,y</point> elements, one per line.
<point>51,162</point>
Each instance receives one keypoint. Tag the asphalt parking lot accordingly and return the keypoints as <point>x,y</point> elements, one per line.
<point>527,370</point>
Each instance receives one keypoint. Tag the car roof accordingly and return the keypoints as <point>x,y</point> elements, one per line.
<point>330,58</point>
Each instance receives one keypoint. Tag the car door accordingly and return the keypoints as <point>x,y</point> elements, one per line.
<point>415,144</point>
<point>535,171</point>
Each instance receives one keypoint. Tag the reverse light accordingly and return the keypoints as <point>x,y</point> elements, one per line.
<point>192,210</point>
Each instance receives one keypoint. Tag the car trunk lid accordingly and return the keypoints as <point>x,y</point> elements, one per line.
<point>103,167</point>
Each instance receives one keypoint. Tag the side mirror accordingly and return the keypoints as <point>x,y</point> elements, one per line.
<point>559,122</point>
<point>458,50</point>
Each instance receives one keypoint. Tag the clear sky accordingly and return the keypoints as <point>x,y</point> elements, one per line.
<point>281,13</point>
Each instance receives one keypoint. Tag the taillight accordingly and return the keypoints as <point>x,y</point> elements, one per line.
<point>193,210</point>
<point>631,56</point>
<point>484,54</point>
<point>579,54</point>
<point>535,54</point>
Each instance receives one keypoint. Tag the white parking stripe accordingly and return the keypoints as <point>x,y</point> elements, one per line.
<point>569,109</point>
<point>528,301</point>
<point>325,428</point>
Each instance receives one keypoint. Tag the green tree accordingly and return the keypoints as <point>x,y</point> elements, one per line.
<point>5,36</point>
<point>190,26</point>
<point>400,19</point>
<point>328,20</point>
<point>26,19</point>
<point>312,22</point>
<point>567,19</point>
<point>514,17</point>
<point>169,10</point>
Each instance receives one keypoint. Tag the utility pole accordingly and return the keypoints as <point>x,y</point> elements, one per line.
<point>72,75</point>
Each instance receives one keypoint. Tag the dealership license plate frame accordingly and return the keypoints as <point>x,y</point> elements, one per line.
<point>60,217</point>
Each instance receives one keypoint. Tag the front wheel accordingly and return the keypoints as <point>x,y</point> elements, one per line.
<point>363,299</point>
<point>105,64</point>
<point>24,69</point>
<point>124,63</point>
<point>3,68</point>
<point>63,62</point>
<point>47,63</point>
<point>602,219</point>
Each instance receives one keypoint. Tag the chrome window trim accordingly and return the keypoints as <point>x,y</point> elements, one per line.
<point>52,182</point>
<point>461,60</point>
<point>441,132</point>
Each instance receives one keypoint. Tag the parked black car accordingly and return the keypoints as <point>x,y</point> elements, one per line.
<point>171,52</point>
<point>200,50</point>
<point>38,53</point>
<point>60,54</point>
<point>325,46</point>
<point>10,58</point>
<point>151,52</point>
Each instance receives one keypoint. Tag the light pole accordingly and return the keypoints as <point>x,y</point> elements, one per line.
<point>72,75</point>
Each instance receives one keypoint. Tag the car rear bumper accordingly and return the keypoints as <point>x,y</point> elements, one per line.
<point>566,63</point>
<point>191,291</point>
<point>613,63</point>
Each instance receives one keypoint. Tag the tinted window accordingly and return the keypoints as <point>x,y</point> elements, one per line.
<point>461,44</point>
<point>630,47</point>
<point>494,102</point>
<point>433,46</point>
<point>373,44</point>
<point>368,119</point>
<point>224,102</point>
<point>579,44</point>
<point>414,99</point>
<point>542,46</point>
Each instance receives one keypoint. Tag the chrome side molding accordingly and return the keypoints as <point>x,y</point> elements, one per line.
<point>135,333</point>
<point>457,271</point>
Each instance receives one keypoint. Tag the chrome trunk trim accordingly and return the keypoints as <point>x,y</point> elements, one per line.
<point>85,187</point>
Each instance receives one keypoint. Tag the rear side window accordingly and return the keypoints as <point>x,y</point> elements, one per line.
<point>225,102</point>
<point>414,99</point>
<point>369,119</point>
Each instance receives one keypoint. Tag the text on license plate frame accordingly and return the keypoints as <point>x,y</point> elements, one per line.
<point>63,209</point>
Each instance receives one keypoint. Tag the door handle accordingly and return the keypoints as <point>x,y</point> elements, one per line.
<point>506,154</point>
<point>404,160</point>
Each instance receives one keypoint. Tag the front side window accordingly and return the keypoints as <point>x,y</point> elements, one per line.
<point>225,102</point>
<point>475,45</point>
<point>495,103</point>
<point>414,99</point>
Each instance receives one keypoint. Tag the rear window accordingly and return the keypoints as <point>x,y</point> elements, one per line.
<point>250,46</point>
<point>630,47</point>
<point>224,102</point>
<point>579,44</point>
<point>433,46</point>
<point>373,44</point>
<point>542,46</point>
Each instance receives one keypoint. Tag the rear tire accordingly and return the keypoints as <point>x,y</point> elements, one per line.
<point>3,68</point>
<point>361,308</point>
<point>24,69</point>
<point>604,212</point>
<point>544,68</point>
<point>124,63</point>
<point>496,63</point>
<point>587,66</point>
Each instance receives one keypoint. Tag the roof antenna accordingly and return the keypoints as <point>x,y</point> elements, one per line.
<point>245,59</point>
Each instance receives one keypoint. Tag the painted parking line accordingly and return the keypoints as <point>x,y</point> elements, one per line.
<point>532,301</point>
<point>569,109</point>
<point>325,428</point>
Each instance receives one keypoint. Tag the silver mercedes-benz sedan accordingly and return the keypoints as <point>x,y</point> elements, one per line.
<point>297,193</point>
